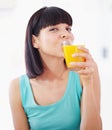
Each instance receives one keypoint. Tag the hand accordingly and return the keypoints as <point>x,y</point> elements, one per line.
<point>85,69</point>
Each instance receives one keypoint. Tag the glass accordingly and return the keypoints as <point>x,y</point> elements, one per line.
<point>69,50</point>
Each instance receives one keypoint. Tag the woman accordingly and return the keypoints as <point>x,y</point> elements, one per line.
<point>50,96</point>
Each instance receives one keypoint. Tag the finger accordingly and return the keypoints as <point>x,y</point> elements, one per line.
<point>83,49</point>
<point>85,55</point>
<point>79,64</point>
<point>86,71</point>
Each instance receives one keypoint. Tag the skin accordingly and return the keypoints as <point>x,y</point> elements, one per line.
<point>56,74</point>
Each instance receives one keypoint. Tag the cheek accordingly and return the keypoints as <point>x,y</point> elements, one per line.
<point>42,41</point>
<point>45,45</point>
<point>47,42</point>
<point>72,37</point>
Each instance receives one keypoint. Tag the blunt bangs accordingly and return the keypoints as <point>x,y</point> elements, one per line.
<point>52,16</point>
<point>44,17</point>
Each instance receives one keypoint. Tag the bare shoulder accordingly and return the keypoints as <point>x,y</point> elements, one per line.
<point>14,91</point>
<point>14,83</point>
<point>19,117</point>
<point>14,86</point>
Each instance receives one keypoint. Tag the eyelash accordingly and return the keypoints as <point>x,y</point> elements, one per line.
<point>69,29</point>
<point>55,29</point>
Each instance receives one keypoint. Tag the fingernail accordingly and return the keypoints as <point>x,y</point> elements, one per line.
<point>73,55</point>
<point>71,63</point>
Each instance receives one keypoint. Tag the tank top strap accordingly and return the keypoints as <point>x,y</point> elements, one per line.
<point>75,84</point>
<point>25,90</point>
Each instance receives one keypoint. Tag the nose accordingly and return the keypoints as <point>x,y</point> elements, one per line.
<point>64,35</point>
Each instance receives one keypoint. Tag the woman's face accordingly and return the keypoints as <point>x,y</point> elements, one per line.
<point>49,41</point>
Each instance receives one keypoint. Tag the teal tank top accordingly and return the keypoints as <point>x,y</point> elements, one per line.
<point>63,115</point>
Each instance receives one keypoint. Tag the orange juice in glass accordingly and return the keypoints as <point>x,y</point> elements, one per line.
<point>68,51</point>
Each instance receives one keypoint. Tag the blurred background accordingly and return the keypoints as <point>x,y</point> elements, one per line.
<point>92,26</point>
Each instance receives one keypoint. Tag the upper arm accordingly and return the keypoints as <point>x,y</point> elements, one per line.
<point>19,117</point>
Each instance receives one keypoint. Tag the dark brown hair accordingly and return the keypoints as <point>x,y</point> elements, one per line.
<point>42,18</point>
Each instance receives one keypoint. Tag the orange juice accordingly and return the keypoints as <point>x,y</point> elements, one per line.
<point>68,51</point>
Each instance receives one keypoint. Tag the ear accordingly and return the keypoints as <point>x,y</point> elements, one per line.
<point>35,41</point>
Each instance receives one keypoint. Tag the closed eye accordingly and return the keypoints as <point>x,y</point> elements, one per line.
<point>53,29</point>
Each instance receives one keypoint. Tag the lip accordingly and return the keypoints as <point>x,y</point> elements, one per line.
<point>66,42</point>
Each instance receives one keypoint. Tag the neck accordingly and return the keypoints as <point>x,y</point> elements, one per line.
<point>54,68</point>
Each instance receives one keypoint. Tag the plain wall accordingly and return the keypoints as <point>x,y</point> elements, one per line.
<point>92,26</point>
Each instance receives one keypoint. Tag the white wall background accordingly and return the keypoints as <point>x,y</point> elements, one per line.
<point>92,26</point>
